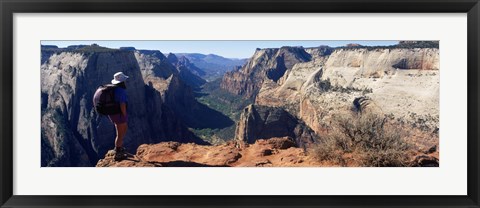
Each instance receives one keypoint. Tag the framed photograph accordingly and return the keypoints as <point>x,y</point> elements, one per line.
<point>239,104</point>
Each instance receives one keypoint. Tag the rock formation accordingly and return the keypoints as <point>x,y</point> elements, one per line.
<point>172,78</point>
<point>187,71</point>
<point>69,79</point>
<point>320,82</point>
<point>154,65</point>
<point>265,64</point>
<point>262,122</point>
<point>274,152</point>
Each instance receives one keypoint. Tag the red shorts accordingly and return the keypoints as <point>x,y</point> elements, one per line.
<point>118,118</point>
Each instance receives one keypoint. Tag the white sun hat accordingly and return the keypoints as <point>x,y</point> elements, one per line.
<point>119,77</point>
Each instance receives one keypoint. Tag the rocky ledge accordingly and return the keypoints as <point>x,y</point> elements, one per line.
<point>274,152</point>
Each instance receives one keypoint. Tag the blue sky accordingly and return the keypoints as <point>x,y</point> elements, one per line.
<point>229,49</point>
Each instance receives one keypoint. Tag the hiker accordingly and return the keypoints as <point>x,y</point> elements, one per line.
<point>120,120</point>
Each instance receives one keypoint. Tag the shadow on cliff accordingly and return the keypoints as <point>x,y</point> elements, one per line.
<point>168,124</point>
<point>202,117</point>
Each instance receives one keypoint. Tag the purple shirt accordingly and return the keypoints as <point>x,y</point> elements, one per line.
<point>121,97</point>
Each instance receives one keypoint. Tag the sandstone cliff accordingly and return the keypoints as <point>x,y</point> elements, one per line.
<point>262,122</point>
<point>401,82</point>
<point>172,78</point>
<point>264,64</point>
<point>69,79</point>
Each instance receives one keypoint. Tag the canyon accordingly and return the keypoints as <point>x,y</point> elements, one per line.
<point>276,109</point>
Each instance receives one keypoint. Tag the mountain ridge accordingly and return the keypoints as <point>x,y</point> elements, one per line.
<point>213,65</point>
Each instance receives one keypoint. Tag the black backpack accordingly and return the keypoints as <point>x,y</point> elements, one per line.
<point>104,100</point>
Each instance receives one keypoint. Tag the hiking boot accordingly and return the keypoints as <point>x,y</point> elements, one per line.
<point>120,154</point>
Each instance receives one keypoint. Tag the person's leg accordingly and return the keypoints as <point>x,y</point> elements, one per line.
<point>121,131</point>
<point>120,152</point>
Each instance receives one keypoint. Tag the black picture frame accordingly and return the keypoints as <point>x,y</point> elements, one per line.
<point>9,7</point>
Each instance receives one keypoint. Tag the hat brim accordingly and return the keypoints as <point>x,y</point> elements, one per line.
<point>116,81</point>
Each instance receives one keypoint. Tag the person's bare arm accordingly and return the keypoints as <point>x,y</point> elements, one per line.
<point>123,108</point>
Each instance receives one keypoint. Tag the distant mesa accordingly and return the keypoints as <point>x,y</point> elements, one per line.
<point>294,47</point>
<point>74,47</point>
<point>408,42</point>
<point>49,47</point>
<point>353,45</point>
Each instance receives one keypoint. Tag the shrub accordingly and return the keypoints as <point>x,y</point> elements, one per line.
<point>372,140</point>
<point>331,149</point>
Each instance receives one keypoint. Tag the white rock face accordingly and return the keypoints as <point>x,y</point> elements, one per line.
<point>374,60</point>
<point>403,83</point>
